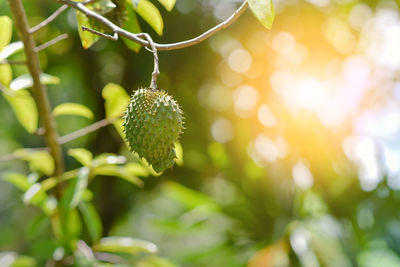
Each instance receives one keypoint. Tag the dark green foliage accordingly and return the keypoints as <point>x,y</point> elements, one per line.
<point>153,123</point>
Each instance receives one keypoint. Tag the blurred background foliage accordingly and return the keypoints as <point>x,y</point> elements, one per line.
<point>291,150</point>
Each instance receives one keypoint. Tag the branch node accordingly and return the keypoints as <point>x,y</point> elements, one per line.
<point>107,36</point>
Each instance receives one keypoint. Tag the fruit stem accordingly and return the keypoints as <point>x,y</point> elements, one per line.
<point>156,71</point>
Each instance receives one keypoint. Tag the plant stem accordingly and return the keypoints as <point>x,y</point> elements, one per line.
<point>40,91</point>
<point>156,71</point>
<point>160,47</point>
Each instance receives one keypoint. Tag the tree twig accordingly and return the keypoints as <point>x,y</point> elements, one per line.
<point>39,89</point>
<point>156,72</point>
<point>84,131</point>
<point>51,42</point>
<point>53,16</point>
<point>45,22</point>
<point>161,47</point>
<point>107,36</point>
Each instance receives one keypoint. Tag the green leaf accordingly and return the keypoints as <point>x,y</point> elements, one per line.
<point>81,183</point>
<point>18,180</point>
<point>6,31</point>
<point>87,38</point>
<point>151,15</point>
<point>34,194</point>
<point>125,245</point>
<point>38,160</point>
<point>25,81</point>
<point>187,196</point>
<point>137,169</point>
<point>131,25</point>
<point>24,107</point>
<point>116,100</point>
<point>118,171</point>
<point>92,220</point>
<point>155,261</point>
<point>102,6</point>
<point>179,154</point>
<point>24,261</point>
<point>264,11</point>
<point>5,74</point>
<point>11,49</point>
<point>116,103</point>
<point>108,159</point>
<point>73,109</point>
<point>82,155</point>
<point>168,4</point>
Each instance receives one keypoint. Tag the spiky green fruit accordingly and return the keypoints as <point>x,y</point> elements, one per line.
<point>153,123</point>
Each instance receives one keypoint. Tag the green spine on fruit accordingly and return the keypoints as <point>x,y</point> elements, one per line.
<point>152,125</point>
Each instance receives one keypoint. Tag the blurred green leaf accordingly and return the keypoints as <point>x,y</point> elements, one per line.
<point>179,154</point>
<point>168,4</point>
<point>264,11</point>
<point>116,100</point>
<point>34,194</point>
<point>187,196</point>
<point>378,257</point>
<point>151,15</point>
<point>24,107</point>
<point>11,49</point>
<point>5,74</point>
<point>155,261</point>
<point>91,219</point>
<point>125,245</point>
<point>108,159</point>
<point>38,160</point>
<point>74,225</point>
<point>87,38</point>
<point>67,225</point>
<point>73,109</point>
<point>102,6</point>
<point>25,81</point>
<point>82,155</point>
<point>18,180</point>
<point>131,25</point>
<point>24,261</point>
<point>6,31</point>
<point>118,171</point>
<point>38,227</point>
<point>137,169</point>
<point>81,183</point>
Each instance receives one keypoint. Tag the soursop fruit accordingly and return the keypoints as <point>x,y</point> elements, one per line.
<point>153,123</point>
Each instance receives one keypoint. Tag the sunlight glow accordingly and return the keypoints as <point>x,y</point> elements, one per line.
<point>240,60</point>
<point>245,99</point>
<point>222,130</point>
<point>302,176</point>
<point>266,117</point>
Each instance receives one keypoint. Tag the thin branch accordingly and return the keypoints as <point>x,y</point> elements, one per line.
<point>45,22</point>
<point>40,91</point>
<point>161,47</point>
<point>51,42</point>
<point>53,16</point>
<point>84,131</point>
<point>107,36</point>
<point>12,62</point>
<point>156,72</point>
